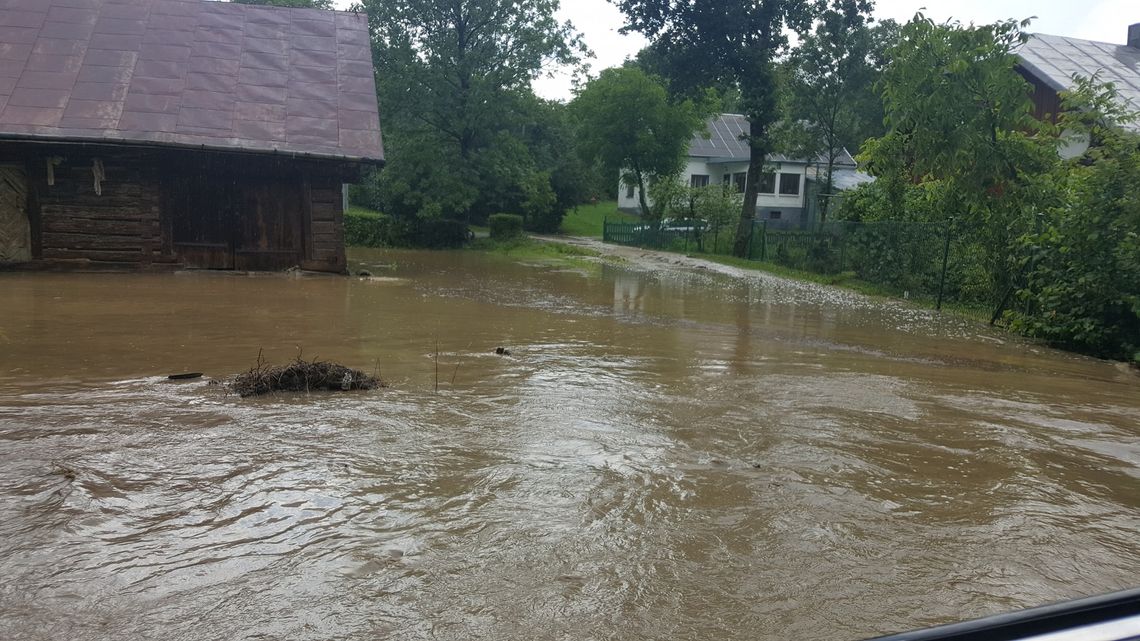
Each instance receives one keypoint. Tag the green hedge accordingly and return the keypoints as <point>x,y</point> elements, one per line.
<point>366,229</point>
<point>505,226</point>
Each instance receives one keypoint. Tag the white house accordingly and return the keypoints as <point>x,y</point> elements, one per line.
<point>722,158</point>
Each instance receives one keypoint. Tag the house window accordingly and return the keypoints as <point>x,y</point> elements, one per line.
<point>629,191</point>
<point>726,179</point>
<point>699,180</point>
<point>741,181</point>
<point>775,215</point>
<point>767,183</point>
<point>789,184</point>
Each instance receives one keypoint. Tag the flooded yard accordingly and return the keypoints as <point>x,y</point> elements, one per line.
<point>666,453</point>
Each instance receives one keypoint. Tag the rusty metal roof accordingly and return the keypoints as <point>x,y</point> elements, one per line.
<point>190,73</point>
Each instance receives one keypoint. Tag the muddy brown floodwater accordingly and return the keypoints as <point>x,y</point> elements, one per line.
<point>666,454</point>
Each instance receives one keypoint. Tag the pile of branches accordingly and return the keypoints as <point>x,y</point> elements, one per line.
<point>301,376</point>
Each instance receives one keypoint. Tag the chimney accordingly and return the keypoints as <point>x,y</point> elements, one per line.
<point>1134,36</point>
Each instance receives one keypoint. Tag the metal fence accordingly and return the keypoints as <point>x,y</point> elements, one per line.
<point>913,259</point>
<point>905,257</point>
<point>683,237</point>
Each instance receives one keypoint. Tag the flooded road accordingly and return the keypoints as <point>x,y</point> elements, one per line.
<point>666,454</point>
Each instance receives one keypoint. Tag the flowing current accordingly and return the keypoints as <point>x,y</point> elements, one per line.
<point>666,453</point>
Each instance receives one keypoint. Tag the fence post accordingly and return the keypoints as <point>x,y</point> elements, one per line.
<point>763,240</point>
<point>842,246</point>
<point>945,264</point>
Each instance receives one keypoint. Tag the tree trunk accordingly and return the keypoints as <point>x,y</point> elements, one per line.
<point>645,215</point>
<point>756,154</point>
<point>828,187</point>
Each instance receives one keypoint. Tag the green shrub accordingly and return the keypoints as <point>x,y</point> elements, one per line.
<point>541,209</point>
<point>1082,263</point>
<point>505,226</point>
<point>367,229</point>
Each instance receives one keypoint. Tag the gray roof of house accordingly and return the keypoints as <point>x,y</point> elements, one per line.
<point>844,179</point>
<point>189,73</point>
<point>1056,59</point>
<point>726,143</point>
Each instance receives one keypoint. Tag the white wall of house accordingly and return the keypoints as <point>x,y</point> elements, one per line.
<point>698,168</point>
<point>627,197</point>
<point>771,198</point>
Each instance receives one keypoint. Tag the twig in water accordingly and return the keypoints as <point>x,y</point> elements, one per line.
<point>457,362</point>
<point>301,376</point>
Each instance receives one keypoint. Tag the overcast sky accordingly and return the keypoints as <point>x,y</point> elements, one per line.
<point>1104,20</point>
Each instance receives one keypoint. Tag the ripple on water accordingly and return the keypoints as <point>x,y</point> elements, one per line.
<point>663,455</point>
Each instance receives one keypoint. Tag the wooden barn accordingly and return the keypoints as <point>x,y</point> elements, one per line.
<point>166,134</point>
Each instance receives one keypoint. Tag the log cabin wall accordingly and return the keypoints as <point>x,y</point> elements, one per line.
<point>326,213</point>
<point>168,209</point>
<point>114,221</point>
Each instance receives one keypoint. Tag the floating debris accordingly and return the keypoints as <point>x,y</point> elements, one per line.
<point>184,377</point>
<point>502,351</point>
<point>301,376</point>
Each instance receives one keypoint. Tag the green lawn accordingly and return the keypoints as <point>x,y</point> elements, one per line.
<point>524,248</point>
<point>586,220</point>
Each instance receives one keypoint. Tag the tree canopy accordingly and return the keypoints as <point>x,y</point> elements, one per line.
<point>459,115</point>
<point>829,103</point>
<point>628,124</point>
<point>733,43</point>
<point>447,67</point>
<point>1050,245</point>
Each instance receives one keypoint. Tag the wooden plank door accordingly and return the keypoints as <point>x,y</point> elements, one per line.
<point>15,230</point>
<point>270,233</point>
<point>203,210</point>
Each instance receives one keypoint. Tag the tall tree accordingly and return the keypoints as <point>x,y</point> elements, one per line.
<point>829,99</point>
<point>303,4</point>
<point>446,64</point>
<point>726,43</point>
<point>626,122</point>
<point>960,124</point>
<point>453,77</point>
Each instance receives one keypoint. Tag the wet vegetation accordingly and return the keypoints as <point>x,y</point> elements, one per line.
<point>464,133</point>
<point>1053,242</point>
<point>505,226</point>
<point>366,228</point>
<point>301,376</point>
<point>527,249</point>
